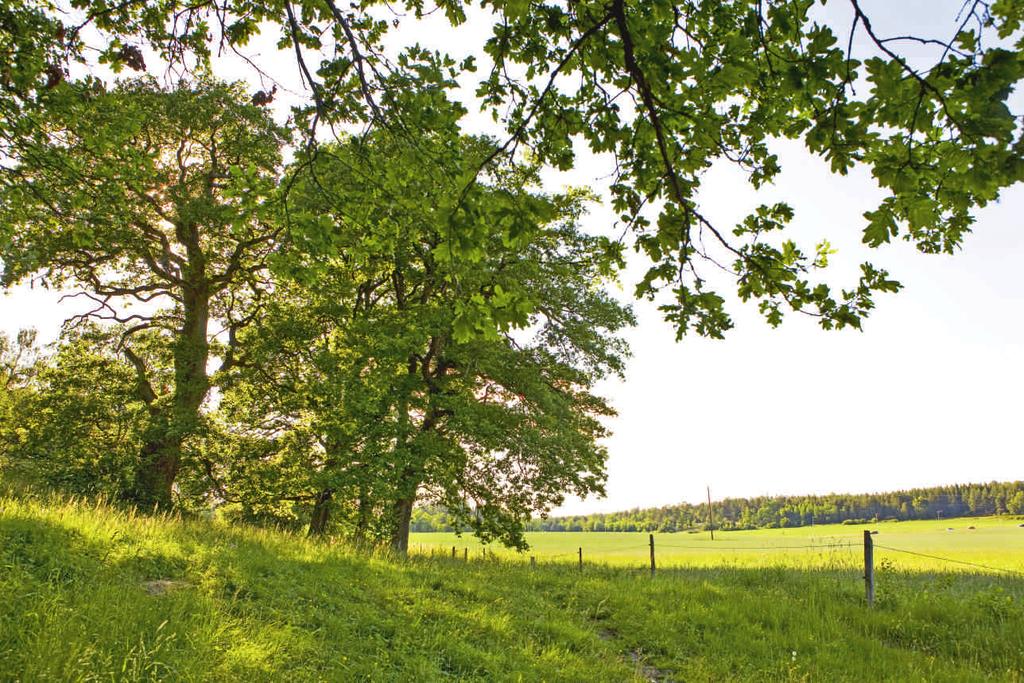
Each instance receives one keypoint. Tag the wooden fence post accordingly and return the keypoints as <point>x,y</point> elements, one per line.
<point>869,568</point>
<point>533,561</point>
<point>453,552</point>
<point>581,558</point>
<point>465,554</point>
<point>652,554</point>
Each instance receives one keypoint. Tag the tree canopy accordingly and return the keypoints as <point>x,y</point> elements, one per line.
<point>365,354</point>
<point>361,306</point>
<point>665,87</point>
<point>157,199</point>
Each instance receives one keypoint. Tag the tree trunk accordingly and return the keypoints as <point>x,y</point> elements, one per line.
<point>154,479</point>
<point>403,518</point>
<point>191,354</point>
<point>161,454</point>
<point>363,517</point>
<point>321,513</point>
<point>406,495</point>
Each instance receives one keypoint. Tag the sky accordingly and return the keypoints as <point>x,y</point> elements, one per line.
<point>929,393</point>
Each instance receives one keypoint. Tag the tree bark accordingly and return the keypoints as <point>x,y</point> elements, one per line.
<point>403,518</point>
<point>154,479</point>
<point>363,517</point>
<point>321,513</point>
<point>402,506</point>
<point>161,454</point>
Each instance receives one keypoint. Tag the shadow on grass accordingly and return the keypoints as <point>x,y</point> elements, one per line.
<point>267,606</point>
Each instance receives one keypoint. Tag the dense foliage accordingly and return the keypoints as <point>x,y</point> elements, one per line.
<point>360,358</point>
<point>664,88</point>
<point>360,306</point>
<point>350,383</point>
<point>961,500</point>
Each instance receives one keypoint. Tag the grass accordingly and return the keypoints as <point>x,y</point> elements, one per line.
<point>77,603</point>
<point>997,542</point>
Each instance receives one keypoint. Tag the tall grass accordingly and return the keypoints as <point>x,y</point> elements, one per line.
<point>89,592</point>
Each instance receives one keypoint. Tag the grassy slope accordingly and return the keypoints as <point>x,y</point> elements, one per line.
<point>258,605</point>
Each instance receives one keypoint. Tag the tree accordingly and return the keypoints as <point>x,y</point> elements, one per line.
<point>1015,505</point>
<point>665,87</point>
<point>81,427</point>
<point>19,358</point>
<point>137,195</point>
<point>433,252</point>
<point>369,349</point>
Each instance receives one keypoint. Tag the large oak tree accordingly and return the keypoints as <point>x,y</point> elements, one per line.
<point>152,206</point>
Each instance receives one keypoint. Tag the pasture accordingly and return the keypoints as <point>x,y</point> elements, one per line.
<point>996,542</point>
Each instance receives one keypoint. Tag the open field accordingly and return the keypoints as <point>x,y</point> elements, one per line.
<point>997,542</point>
<point>92,593</point>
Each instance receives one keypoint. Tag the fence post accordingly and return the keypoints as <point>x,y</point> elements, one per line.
<point>533,561</point>
<point>581,558</point>
<point>453,552</point>
<point>869,568</point>
<point>652,554</point>
<point>465,554</point>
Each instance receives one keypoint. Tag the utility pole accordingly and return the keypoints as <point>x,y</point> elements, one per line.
<point>711,516</point>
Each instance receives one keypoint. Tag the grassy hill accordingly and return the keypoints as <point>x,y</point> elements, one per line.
<point>88,593</point>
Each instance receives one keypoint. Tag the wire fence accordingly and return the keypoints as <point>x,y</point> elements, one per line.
<point>814,546</point>
<point>976,565</point>
<point>650,554</point>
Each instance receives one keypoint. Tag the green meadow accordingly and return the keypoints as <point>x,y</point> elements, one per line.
<point>90,593</point>
<point>995,542</point>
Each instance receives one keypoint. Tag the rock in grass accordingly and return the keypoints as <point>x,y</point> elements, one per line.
<point>161,586</point>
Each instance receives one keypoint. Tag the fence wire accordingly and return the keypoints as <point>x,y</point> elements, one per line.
<point>949,559</point>
<point>819,546</point>
<point>708,545</point>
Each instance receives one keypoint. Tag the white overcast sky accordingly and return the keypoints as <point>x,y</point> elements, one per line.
<point>929,393</point>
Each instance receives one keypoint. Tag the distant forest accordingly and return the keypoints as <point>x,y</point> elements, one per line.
<point>958,500</point>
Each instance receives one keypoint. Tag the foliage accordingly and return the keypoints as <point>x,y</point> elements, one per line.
<point>18,359</point>
<point>665,88</point>
<point>423,323</point>
<point>370,371</point>
<point>79,427</point>
<point>257,605</point>
<point>137,196</point>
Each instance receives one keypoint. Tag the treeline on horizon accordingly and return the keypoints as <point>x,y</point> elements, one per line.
<point>770,512</point>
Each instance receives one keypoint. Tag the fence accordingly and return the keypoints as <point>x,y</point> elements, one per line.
<point>868,544</point>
